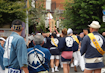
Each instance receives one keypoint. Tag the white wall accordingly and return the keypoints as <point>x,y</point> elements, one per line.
<point>5,32</point>
<point>48,4</point>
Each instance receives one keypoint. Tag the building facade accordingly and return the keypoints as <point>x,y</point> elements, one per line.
<point>53,4</point>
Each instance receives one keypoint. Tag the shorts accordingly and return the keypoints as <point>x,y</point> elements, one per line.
<point>65,60</point>
<point>54,57</point>
<point>92,68</point>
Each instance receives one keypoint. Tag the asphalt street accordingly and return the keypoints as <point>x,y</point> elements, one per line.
<point>71,70</point>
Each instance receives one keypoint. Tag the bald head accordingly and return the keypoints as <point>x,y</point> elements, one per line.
<point>103,33</point>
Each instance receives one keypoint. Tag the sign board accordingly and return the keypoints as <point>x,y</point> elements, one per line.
<point>103,12</point>
<point>103,18</point>
<point>1,32</point>
<point>5,32</point>
<point>52,25</point>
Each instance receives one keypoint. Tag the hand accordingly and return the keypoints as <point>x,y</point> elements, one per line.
<point>25,69</point>
<point>78,49</point>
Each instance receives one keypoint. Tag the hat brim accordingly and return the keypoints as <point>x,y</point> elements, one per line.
<point>94,27</point>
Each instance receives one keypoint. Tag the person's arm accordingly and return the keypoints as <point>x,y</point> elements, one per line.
<point>79,38</point>
<point>84,45</point>
<point>61,44</point>
<point>25,69</point>
<point>48,55</point>
<point>46,34</point>
<point>21,52</point>
<point>79,46</point>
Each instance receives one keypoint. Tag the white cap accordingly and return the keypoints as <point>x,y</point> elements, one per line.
<point>58,35</point>
<point>95,24</point>
<point>69,31</point>
<point>30,37</point>
<point>1,38</point>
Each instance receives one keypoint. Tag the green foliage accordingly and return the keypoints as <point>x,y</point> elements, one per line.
<point>80,13</point>
<point>37,16</point>
<point>12,9</point>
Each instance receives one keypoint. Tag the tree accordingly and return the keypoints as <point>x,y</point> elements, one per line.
<point>10,10</point>
<point>37,16</point>
<point>80,13</point>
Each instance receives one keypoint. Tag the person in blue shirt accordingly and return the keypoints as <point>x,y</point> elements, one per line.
<point>2,68</point>
<point>15,51</point>
<point>38,57</point>
<point>93,58</point>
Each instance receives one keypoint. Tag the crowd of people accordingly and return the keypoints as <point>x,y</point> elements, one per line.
<point>51,50</point>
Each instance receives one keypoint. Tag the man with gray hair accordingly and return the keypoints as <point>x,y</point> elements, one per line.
<point>38,57</point>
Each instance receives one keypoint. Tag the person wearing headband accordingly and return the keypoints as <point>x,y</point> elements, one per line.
<point>15,54</point>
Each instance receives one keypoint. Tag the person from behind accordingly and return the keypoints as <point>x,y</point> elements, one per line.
<point>38,57</point>
<point>55,54</point>
<point>93,46</point>
<point>2,68</point>
<point>30,41</point>
<point>15,54</point>
<point>76,48</point>
<point>85,31</point>
<point>65,46</point>
<point>81,35</point>
<point>103,33</point>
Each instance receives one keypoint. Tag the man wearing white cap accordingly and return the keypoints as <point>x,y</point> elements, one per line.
<point>75,48</point>
<point>93,45</point>
<point>2,68</point>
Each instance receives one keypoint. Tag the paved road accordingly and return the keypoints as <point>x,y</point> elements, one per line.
<point>71,70</point>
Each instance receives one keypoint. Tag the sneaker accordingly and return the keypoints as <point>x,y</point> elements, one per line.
<point>56,70</point>
<point>52,71</point>
<point>72,65</point>
<point>61,66</point>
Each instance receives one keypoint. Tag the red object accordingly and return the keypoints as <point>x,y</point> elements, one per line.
<point>67,54</point>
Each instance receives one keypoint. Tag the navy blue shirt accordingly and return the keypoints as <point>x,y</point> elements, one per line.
<point>66,44</point>
<point>76,45</point>
<point>34,64</point>
<point>89,49</point>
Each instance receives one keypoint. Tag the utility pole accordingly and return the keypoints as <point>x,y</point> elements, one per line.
<point>35,3</point>
<point>27,31</point>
